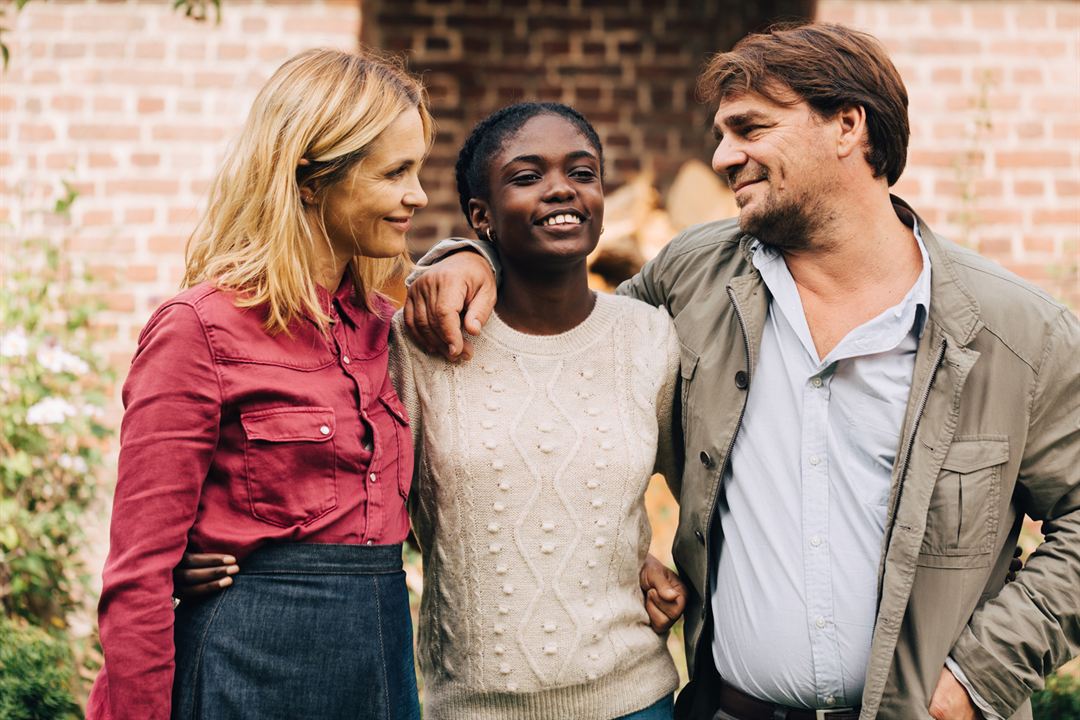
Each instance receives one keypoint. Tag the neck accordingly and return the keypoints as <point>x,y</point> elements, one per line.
<point>863,246</point>
<point>545,301</point>
<point>327,267</point>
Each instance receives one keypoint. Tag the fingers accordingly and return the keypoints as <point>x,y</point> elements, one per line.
<point>658,619</point>
<point>205,560</point>
<point>194,592</point>
<point>205,575</point>
<point>480,306</point>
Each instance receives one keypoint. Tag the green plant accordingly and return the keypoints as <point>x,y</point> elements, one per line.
<point>54,384</point>
<point>1059,700</point>
<point>35,674</point>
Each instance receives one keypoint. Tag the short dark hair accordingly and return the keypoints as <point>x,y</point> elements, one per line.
<point>488,136</point>
<point>830,67</point>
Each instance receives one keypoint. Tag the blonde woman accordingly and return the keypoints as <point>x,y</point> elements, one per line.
<point>260,421</point>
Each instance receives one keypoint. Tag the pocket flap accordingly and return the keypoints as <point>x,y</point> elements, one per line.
<point>967,456</point>
<point>688,360</point>
<point>309,424</point>
<point>393,404</point>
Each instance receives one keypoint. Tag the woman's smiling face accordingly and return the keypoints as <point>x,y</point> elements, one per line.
<point>546,203</point>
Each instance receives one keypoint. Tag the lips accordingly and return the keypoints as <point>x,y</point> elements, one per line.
<point>736,187</point>
<point>403,224</point>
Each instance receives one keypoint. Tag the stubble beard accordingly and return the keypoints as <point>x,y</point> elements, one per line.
<point>781,224</point>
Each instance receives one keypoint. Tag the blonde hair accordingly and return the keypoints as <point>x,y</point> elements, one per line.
<point>322,106</point>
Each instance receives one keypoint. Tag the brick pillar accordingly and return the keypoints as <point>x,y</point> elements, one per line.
<point>628,65</point>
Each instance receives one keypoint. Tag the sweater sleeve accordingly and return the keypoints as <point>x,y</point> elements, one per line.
<point>172,401</point>
<point>402,375</point>
<point>668,447</point>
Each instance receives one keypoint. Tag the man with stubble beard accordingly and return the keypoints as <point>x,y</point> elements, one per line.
<point>868,412</point>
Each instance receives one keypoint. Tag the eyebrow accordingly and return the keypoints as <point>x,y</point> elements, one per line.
<point>537,160</point>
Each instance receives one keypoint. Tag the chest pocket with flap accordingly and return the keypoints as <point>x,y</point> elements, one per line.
<point>962,520</point>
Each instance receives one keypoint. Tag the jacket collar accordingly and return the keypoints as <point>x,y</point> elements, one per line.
<point>952,305</point>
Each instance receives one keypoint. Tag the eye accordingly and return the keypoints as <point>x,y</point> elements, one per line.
<point>527,177</point>
<point>583,174</point>
<point>397,172</point>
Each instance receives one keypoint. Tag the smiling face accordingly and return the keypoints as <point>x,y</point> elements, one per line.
<point>777,160</point>
<point>369,211</point>
<point>546,200</point>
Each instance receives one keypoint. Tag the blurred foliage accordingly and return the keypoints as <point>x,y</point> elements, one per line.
<point>35,674</point>
<point>54,385</point>
<point>1059,700</point>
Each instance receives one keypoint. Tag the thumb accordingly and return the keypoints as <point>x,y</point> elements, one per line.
<point>666,586</point>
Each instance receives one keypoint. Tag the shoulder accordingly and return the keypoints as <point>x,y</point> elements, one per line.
<point>719,236</point>
<point>1019,314</point>
<point>654,321</point>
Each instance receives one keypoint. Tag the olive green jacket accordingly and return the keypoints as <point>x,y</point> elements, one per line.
<point>992,432</point>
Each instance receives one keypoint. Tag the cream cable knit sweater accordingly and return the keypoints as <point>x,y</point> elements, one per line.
<point>532,463</point>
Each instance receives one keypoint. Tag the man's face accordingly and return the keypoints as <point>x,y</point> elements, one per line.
<point>776,159</point>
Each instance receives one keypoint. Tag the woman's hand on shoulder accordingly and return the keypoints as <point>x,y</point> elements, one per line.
<point>202,574</point>
<point>664,594</point>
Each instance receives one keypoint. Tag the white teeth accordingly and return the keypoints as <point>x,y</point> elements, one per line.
<point>563,219</point>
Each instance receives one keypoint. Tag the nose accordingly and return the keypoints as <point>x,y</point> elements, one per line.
<point>728,155</point>
<point>415,197</point>
<point>559,189</point>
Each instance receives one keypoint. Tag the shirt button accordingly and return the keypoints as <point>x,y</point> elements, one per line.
<point>372,477</point>
<point>706,459</point>
<point>830,700</point>
<point>815,541</point>
<point>700,536</point>
<point>741,380</point>
<point>345,359</point>
<point>816,382</point>
<point>814,459</point>
<point>820,622</point>
<point>325,429</point>
<point>370,542</point>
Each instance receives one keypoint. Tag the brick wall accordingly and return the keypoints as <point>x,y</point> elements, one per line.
<point>995,115</point>
<point>628,65</point>
<point>134,105</point>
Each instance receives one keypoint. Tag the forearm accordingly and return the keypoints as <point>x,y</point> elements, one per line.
<point>449,246</point>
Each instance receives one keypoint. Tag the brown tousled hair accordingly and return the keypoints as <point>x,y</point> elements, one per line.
<point>830,67</point>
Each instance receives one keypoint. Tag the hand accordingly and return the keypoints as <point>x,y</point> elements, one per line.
<point>1015,565</point>
<point>665,594</point>
<point>202,574</point>
<point>436,301</point>
<point>951,701</point>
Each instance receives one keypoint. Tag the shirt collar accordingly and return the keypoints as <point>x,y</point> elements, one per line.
<point>909,314</point>
<point>344,300</point>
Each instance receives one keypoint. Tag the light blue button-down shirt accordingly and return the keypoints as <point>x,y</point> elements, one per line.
<point>804,502</point>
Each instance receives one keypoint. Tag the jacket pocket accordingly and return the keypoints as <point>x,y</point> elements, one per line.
<point>290,463</point>
<point>688,361</point>
<point>397,450</point>
<point>962,519</point>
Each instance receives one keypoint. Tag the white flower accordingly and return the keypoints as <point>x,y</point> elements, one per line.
<point>57,360</point>
<point>92,411</point>
<point>50,411</point>
<point>75,463</point>
<point>14,343</point>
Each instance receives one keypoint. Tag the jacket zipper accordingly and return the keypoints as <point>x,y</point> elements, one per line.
<point>907,461</point>
<point>727,459</point>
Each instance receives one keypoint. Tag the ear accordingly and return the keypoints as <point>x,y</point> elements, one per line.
<point>480,216</point>
<point>307,195</point>
<point>851,123</point>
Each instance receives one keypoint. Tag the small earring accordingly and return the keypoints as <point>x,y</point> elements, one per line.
<point>490,235</point>
<point>601,229</point>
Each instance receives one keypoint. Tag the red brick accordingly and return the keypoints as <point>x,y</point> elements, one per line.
<point>187,132</point>
<point>1039,244</point>
<point>147,105</point>
<point>1031,159</point>
<point>1027,48</point>
<point>68,50</point>
<point>1067,216</point>
<point>109,50</point>
<point>996,246</point>
<point>254,25</point>
<point>60,161</point>
<point>166,243</point>
<point>947,75</point>
<point>150,51</point>
<point>1067,188</point>
<point>232,51</point>
<point>101,160</point>
<point>987,17</point>
<point>36,133</point>
<point>1066,131</point>
<point>97,217</point>
<point>142,187</point>
<point>1027,188</point>
<point>103,132</point>
<point>145,160</point>
<point>1032,16</point>
<point>937,45</point>
<point>1027,76</point>
<point>1030,130</point>
<point>66,103</point>
<point>184,215</point>
<point>141,273</point>
<point>138,216</point>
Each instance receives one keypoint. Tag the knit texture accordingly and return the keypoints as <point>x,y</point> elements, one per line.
<point>533,460</point>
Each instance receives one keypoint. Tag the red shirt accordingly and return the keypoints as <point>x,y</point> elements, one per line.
<point>233,438</point>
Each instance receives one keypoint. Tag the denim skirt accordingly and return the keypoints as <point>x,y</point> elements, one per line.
<point>304,631</point>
